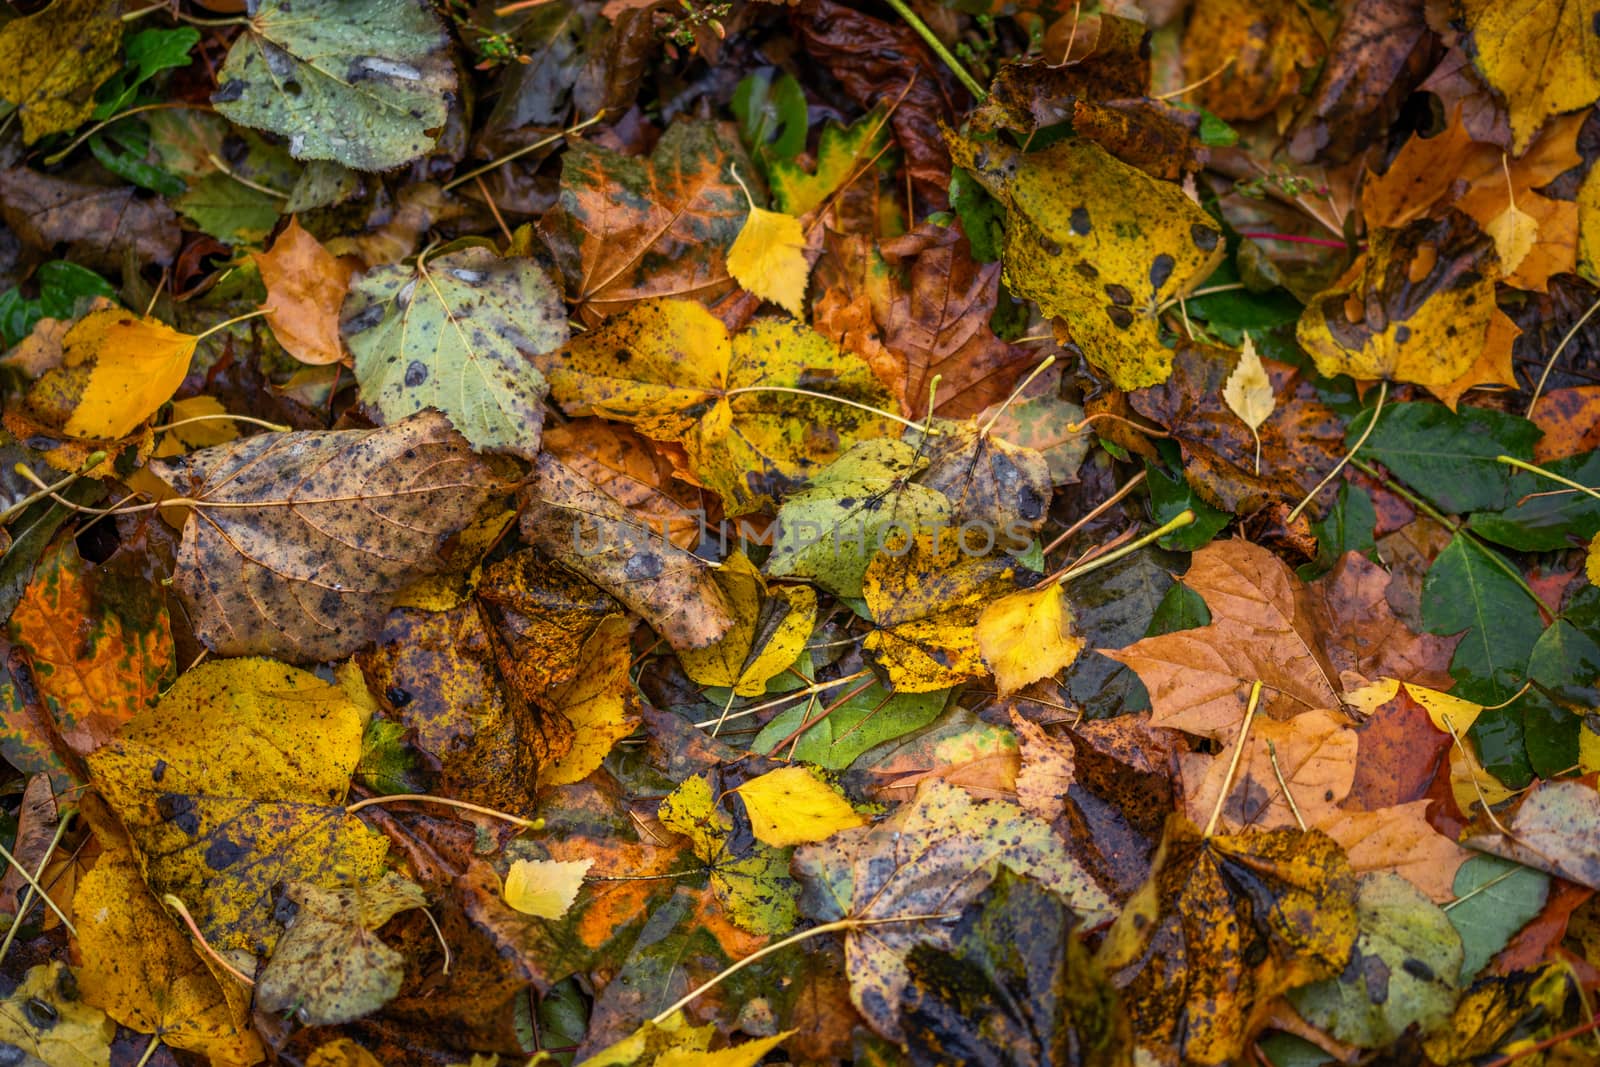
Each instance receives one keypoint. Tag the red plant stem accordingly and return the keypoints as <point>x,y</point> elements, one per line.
<point>1324,242</point>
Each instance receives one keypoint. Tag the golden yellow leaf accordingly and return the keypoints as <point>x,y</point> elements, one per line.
<point>674,1043</point>
<point>135,365</point>
<point>1514,232</point>
<point>1027,636</point>
<point>1415,307</point>
<point>1592,563</point>
<point>545,888</point>
<point>341,1052</point>
<point>1099,243</point>
<point>51,62</point>
<point>44,1018</point>
<point>1539,56</point>
<point>596,703</point>
<point>141,969</point>
<point>768,258</point>
<point>767,636</point>
<point>792,806</point>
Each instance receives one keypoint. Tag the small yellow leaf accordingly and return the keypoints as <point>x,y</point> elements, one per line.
<point>1027,636</point>
<point>792,806</point>
<point>1248,390</point>
<point>768,258</point>
<point>136,364</point>
<point>1589,226</point>
<point>545,888</point>
<point>1515,232</point>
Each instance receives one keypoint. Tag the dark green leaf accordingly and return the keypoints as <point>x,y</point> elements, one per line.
<point>1348,527</point>
<point>982,216</point>
<point>864,721</point>
<point>772,115</point>
<point>1111,608</point>
<point>1469,590</point>
<point>1558,518</point>
<point>1550,733</point>
<point>1170,494</point>
<point>1498,737</point>
<point>1181,609</point>
<point>1448,457</point>
<point>1232,314</point>
<point>119,152</point>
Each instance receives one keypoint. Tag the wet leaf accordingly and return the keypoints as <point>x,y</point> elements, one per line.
<point>1273,47</point>
<point>792,806</point>
<point>1552,829</point>
<point>751,879</point>
<point>43,1018</point>
<point>97,223</point>
<point>365,83</point>
<point>1503,39</point>
<point>305,287</point>
<point>599,704</point>
<point>843,152</point>
<point>231,785</point>
<point>1248,390</point>
<point>1468,591</point>
<point>771,627</point>
<point>1026,636</point>
<point>330,966</point>
<point>1100,244</point>
<point>673,1043</point>
<point>1494,899</point>
<point>457,334</point>
<point>929,859</point>
<point>118,369</point>
<point>857,725</point>
<point>52,60</point>
<point>296,541</point>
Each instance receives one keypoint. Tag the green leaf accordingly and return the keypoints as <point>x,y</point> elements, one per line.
<point>1348,527</point>
<point>122,150</point>
<point>1448,457</point>
<point>1469,590</point>
<point>148,53</point>
<point>1181,609</point>
<point>1111,608</point>
<point>1494,899</point>
<point>62,285</point>
<point>1562,519</point>
<point>365,83</point>
<point>455,333</point>
<point>863,722</point>
<point>750,878</point>
<point>772,115</point>
<point>1498,737</point>
<point>983,218</point>
<point>1564,656</point>
<point>1402,971</point>
<point>1232,314</point>
<point>388,764</point>
<point>842,152</point>
<point>1170,495</point>
<point>1550,733</point>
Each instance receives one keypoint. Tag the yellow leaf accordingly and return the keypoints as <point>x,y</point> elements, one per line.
<point>142,969</point>
<point>1589,226</point>
<point>792,806</point>
<point>1439,706</point>
<point>596,704</point>
<point>213,430</point>
<point>768,258</point>
<point>1514,232</point>
<point>1462,774</point>
<point>45,1019</point>
<point>136,364</point>
<point>1027,636</point>
<point>51,62</point>
<point>1248,390</point>
<point>1539,56</point>
<point>1592,564</point>
<point>674,1043</point>
<point>342,1052</point>
<point>750,653</point>
<point>545,888</point>
<point>1099,243</point>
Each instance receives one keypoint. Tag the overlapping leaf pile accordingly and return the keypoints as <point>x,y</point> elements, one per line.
<point>1059,534</point>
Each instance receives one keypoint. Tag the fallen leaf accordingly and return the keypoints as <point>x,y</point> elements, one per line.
<point>457,333</point>
<point>843,153</point>
<point>768,259</point>
<point>52,86</point>
<point>1506,38</point>
<point>917,869</point>
<point>330,966</point>
<point>1552,828</point>
<point>305,287</point>
<point>118,369</point>
<point>44,1019</point>
<point>750,878</point>
<point>672,1043</point>
<point>1312,755</point>
<point>1026,636</point>
<point>1248,392</point>
<point>1069,208</point>
<point>232,784</point>
<point>98,224</point>
<point>792,806</point>
<point>1049,767</point>
<point>358,82</point>
<point>545,888</point>
<point>1262,628</point>
<point>1399,839</point>
<point>1270,50</point>
<point>626,467</point>
<point>336,523</point>
<point>599,705</point>
<point>770,630</point>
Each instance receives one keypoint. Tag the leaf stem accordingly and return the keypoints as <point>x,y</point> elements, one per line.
<point>1551,365</point>
<point>904,11</point>
<point>1288,794</point>
<point>1238,751</point>
<point>1177,522</point>
<point>169,105</point>
<point>1098,510</point>
<point>225,323</point>
<point>1512,461</point>
<point>94,460</point>
<point>815,687</point>
<point>1001,410</point>
<point>834,399</point>
<point>514,820</point>
<point>223,417</point>
<point>33,883</point>
<point>1383,392</point>
<point>524,150</point>
<point>149,1050</point>
<point>182,909</point>
<point>792,939</point>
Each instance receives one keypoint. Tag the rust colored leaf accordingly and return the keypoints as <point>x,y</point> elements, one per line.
<point>305,288</point>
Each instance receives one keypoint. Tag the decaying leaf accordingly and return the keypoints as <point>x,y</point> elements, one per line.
<point>117,370</point>
<point>1100,244</point>
<point>1539,56</point>
<point>52,60</point>
<point>364,83</point>
<point>296,541</point>
<point>750,878</point>
<point>44,1019</point>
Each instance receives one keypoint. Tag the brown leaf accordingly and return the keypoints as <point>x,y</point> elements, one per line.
<point>1459,87</point>
<point>669,237</point>
<point>305,289</point>
<point>1398,753</point>
<point>1399,839</point>
<point>296,542</point>
<point>97,223</point>
<point>1381,52</point>
<point>877,61</point>
<point>1570,419</point>
<point>1263,627</point>
<point>626,467</point>
<point>545,612</point>
<point>1315,754</point>
<point>1047,770</point>
<point>1364,637</point>
<point>570,519</point>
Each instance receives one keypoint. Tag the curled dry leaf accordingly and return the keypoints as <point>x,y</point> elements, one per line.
<point>296,542</point>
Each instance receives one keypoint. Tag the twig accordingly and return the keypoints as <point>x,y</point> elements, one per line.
<point>815,687</point>
<point>904,11</point>
<point>515,820</point>
<point>524,150</point>
<point>1383,392</point>
<point>1230,61</point>
<point>1238,750</point>
<point>1550,366</point>
<point>94,460</point>
<point>1272,755</point>
<point>1097,511</point>
<point>1177,522</point>
<point>27,898</point>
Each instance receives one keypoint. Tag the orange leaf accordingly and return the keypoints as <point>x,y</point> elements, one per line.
<point>305,288</point>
